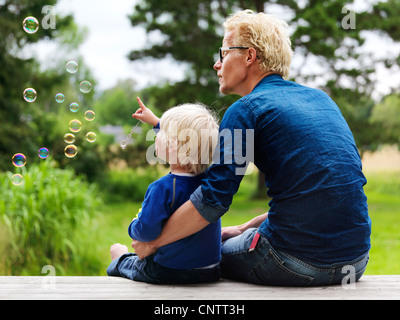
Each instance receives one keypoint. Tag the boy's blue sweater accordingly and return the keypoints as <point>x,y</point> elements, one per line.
<point>162,198</point>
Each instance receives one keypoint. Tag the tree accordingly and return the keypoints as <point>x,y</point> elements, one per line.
<point>17,73</point>
<point>27,126</point>
<point>386,116</point>
<point>115,107</point>
<point>349,73</point>
<point>116,104</point>
<point>191,33</point>
<point>325,33</point>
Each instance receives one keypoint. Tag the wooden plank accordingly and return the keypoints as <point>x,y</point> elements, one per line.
<point>87,288</point>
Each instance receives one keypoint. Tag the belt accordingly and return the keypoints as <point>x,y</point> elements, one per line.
<point>254,242</point>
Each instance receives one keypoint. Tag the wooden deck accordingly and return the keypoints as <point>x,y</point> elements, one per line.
<point>88,288</point>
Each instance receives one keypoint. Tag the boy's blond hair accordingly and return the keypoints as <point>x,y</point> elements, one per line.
<point>267,34</point>
<point>191,130</point>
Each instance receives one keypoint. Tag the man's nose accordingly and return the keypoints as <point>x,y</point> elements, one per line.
<point>217,65</point>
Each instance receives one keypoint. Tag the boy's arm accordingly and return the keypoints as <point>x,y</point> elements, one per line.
<point>155,210</point>
<point>185,221</point>
<point>144,114</point>
<point>141,231</point>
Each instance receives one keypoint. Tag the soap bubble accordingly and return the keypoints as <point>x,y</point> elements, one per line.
<point>74,107</point>
<point>85,86</point>
<point>30,95</point>
<point>123,144</point>
<point>30,25</point>
<point>19,160</point>
<point>72,66</point>
<point>75,125</point>
<point>90,115</point>
<point>91,137</point>
<point>71,151</point>
<point>60,98</point>
<point>17,179</point>
<point>69,138</point>
<point>43,153</point>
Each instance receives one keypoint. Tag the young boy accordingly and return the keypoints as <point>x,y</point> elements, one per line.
<point>185,141</point>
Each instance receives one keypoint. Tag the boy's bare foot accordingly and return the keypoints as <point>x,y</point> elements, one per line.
<point>118,250</point>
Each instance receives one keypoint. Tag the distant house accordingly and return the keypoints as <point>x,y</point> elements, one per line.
<point>118,132</point>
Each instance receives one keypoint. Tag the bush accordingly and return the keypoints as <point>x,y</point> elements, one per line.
<point>43,216</point>
<point>129,184</point>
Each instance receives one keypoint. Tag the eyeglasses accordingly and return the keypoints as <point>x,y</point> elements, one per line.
<point>222,51</point>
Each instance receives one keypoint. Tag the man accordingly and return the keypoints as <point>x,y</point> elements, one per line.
<point>318,229</point>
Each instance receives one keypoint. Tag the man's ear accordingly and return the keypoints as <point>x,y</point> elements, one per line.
<point>251,55</point>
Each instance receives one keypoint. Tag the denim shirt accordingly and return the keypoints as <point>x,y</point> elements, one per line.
<point>302,144</point>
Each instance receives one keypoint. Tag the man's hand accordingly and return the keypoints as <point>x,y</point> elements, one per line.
<point>143,249</point>
<point>230,232</point>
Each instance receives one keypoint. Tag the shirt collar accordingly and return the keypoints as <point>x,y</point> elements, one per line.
<point>267,79</point>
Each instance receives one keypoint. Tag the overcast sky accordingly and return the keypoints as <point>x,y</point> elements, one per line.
<point>111,37</point>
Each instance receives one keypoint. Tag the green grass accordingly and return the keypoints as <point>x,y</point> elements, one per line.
<point>109,225</point>
<point>43,219</point>
<point>382,190</point>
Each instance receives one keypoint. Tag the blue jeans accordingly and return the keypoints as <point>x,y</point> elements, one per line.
<point>268,266</point>
<point>146,270</point>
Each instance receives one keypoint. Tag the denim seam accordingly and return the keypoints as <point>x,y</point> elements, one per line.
<point>280,264</point>
<point>306,265</point>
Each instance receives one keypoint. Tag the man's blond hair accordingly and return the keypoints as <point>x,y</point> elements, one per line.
<point>192,130</point>
<point>267,34</point>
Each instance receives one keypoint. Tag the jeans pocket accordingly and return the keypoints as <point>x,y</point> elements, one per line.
<point>351,271</point>
<point>271,270</point>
